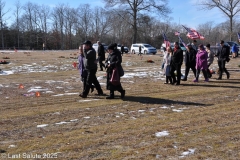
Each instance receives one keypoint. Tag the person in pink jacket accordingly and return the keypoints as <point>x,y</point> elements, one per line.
<point>201,63</point>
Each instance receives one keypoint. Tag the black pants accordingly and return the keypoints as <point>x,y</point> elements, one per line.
<point>188,67</point>
<point>119,89</point>
<point>122,52</point>
<point>209,74</point>
<point>91,79</point>
<point>101,65</point>
<point>168,78</point>
<point>178,69</point>
<point>204,74</point>
<point>222,68</point>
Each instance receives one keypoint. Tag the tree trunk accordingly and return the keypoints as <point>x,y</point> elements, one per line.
<point>135,26</point>
<point>231,27</point>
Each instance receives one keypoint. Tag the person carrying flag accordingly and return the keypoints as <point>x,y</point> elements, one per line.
<point>190,61</point>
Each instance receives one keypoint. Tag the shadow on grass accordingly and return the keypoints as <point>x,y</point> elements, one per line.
<point>230,81</point>
<point>151,100</point>
<point>211,85</point>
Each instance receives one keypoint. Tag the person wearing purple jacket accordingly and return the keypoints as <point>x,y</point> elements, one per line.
<point>201,63</point>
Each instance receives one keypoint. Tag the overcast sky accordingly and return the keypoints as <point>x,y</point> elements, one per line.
<point>183,12</point>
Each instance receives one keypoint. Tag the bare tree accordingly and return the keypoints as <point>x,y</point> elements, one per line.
<point>2,14</point>
<point>134,7</point>
<point>17,16</point>
<point>85,19</point>
<point>43,16</point>
<point>206,30</point>
<point>58,16</point>
<point>229,7</point>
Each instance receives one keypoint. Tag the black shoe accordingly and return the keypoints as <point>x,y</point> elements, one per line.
<point>92,89</point>
<point>123,94</point>
<point>165,83</point>
<point>219,78</point>
<point>173,82</point>
<point>228,76</point>
<point>82,95</point>
<point>177,84</point>
<point>110,97</point>
<point>184,79</point>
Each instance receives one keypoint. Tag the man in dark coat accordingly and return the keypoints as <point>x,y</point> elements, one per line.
<point>190,61</point>
<point>223,57</point>
<point>101,55</point>
<point>176,63</point>
<point>90,65</point>
<point>122,49</point>
<point>140,50</point>
<point>114,60</point>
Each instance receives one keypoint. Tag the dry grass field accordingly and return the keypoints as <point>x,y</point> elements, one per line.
<point>154,120</point>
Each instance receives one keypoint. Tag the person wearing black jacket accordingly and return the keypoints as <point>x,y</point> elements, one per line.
<point>223,57</point>
<point>101,55</point>
<point>176,63</point>
<point>122,49</point>
<point>190,61</point>
<point>90,65</point>
<point>113,60</point>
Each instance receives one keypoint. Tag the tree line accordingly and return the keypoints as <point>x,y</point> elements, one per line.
<point>64,27</point>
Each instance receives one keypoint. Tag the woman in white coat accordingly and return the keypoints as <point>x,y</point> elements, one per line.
<point>167,60</point>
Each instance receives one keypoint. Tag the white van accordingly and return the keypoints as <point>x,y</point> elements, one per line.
<point>146,48</point>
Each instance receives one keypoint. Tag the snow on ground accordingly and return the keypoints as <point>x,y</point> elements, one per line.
<point>186,153</point>
<point>4,73</point>
<point>162,134</point>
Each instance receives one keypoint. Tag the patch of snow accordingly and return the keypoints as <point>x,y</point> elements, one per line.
<point>37,89</point>
<point>74,120</point>
<point>164,107</point>
<point>177,110</point>
<point>4,73</point>
<point>141,111</point>
<point>59,87</point>
<point>42,125</point>
<point>86,117</point>
<point>88,100</point>
<point>161,134</point>
<point>49,92</point>
<point>12,146</point>
<point>189,152</point>
<point>65,94</point>
<point>59,123</point>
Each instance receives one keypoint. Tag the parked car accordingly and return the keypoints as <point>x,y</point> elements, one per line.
<point>230,44</point>
<point>126,50</point>
<point>164,46</point>
<point>146,48</point>
<point>95,46</point>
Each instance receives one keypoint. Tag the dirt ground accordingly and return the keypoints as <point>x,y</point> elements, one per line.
<point>42,116</point>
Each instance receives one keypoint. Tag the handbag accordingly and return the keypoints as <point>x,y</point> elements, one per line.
<point>120,71</point>
<point>115,79</point>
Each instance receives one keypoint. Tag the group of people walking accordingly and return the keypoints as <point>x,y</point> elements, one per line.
<point>87,65</point>
<point>197,58</point>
